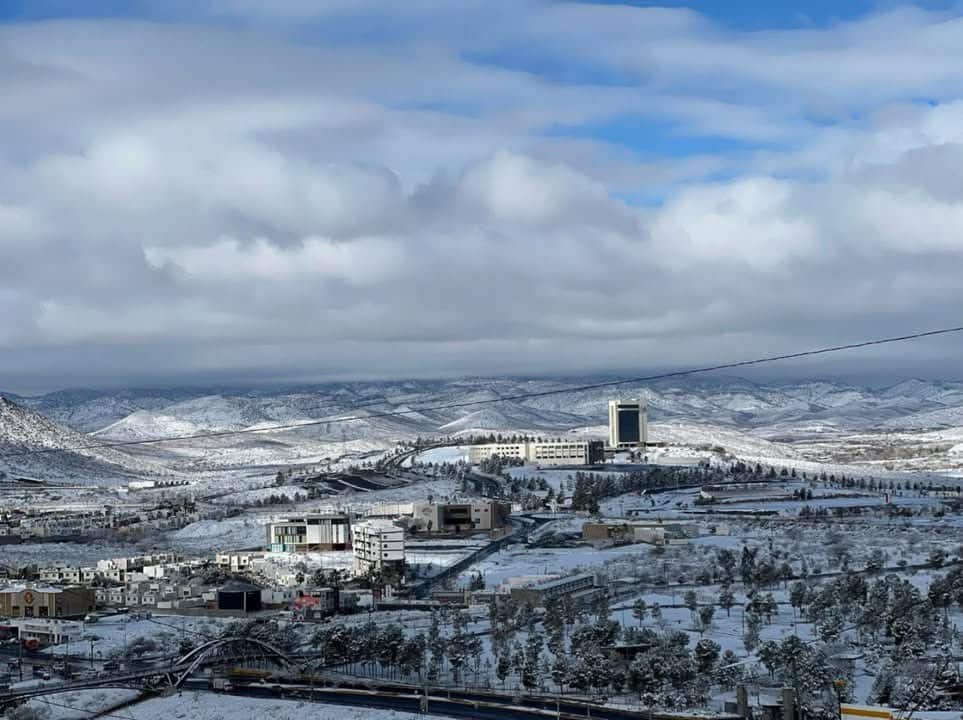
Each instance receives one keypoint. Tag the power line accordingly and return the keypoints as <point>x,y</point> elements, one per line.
<point>495,400</point>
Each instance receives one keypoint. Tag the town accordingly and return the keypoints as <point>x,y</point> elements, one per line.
<point>481,359</point>
<point>616,572</point>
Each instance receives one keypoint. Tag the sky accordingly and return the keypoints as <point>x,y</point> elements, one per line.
<point>224,190</point>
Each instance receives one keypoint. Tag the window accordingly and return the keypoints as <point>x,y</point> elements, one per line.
<point>28,612</point>
<point>44,611</point>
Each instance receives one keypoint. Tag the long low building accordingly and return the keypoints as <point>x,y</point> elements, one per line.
<point>577,587</point>
<point>656,533</point>
<point>559,451</point>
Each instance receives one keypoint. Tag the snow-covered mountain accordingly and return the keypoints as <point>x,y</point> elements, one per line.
<point>369,415</point>
<point>775,408</point>
<point>63,453</point>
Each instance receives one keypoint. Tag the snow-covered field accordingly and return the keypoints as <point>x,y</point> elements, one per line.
<point>82,703</point>
<point>193,705</point>
<point>451,455</point>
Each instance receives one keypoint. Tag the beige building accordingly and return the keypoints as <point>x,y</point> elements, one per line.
<point>636,532</point>
<point>43,601</point>
<point>458,517</point>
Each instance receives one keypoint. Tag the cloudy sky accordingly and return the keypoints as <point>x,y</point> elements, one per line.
<point>300,189</point>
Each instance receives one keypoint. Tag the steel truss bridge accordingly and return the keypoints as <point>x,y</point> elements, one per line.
<point>223,651</point>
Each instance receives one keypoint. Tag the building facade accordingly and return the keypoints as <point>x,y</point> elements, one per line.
<point>42,601</point>
<point>558,451</point>
<point>45,632</point>
<point>378,545</point>
<point>628,424</point>
<point>310,532</point>
<point>458,517</point>
<point>576,587</point>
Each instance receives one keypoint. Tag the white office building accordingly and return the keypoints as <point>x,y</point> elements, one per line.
<point>628,423</point>
<point>557,451</point>
<point>377,545</point>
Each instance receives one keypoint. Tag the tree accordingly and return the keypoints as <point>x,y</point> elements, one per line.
<point>656,611</point>
<point>503,667</point>
<point>561,670</point>
<point>639,610</point>
<point>797,594</point>
<point>705,654</point>
<point>747,564</point>
<point>691,600</point>
<point>729,672</point>
<point>831,625</point>
<point>753,625</point>
<point>726,599</point>
<point>533,651</point>
<point>477,582</point>
<point>727,561</point>
<point>706,614</point>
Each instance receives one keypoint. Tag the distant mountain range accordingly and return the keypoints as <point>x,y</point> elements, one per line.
<point>786,410</point>
<point>778,407</point>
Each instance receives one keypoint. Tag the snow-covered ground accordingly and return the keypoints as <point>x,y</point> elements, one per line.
<point>451,455</point>
<point>192,705</point>
<point>82,704</point>
<point>245,531</point>
<point>111,634</point>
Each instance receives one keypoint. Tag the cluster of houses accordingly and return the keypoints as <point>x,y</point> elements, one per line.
<point>30,525</point>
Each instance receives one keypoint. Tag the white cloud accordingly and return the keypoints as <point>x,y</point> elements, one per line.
<point>361,262</point>
<point>447,196</point>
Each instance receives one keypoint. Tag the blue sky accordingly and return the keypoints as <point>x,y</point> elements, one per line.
<point>747,14</point>
<point>299,189</point>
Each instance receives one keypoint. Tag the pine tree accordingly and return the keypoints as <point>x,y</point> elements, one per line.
<point>728,672</point>
<point>705,654</point>
<point>726,599</point>
<point>706,614</point>
<point>639,610</point>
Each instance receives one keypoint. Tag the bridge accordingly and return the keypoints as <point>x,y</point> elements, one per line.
<point>338,690</point>
<point>230,650</point>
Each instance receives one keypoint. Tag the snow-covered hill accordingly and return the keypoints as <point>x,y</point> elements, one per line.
<point>64,454</point>
<point>775,408</point>
<point>365,416</point>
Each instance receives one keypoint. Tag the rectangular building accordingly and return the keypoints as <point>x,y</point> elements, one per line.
<point>315,531</point>
<point>42,601</point>
<point>557,451</point>
<point>535,594</point>
<point>459,517</point>
<point>49,631</point>
<point>628,424</point>
<point>378,545</point>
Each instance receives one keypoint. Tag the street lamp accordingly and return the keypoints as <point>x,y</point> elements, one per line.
<point>92,639</point>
